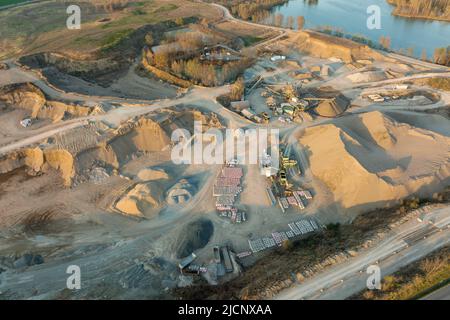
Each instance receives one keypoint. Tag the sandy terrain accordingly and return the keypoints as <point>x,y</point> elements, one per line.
<point>373,159</point>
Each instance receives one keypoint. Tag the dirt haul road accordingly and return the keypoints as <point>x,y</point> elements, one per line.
<point>116,116</point>
<point>131,107</point>
<point>405,244</point>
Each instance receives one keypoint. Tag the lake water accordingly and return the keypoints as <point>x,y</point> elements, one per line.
<point>351,16</point>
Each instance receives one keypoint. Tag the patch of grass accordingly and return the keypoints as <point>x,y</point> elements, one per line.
<point>42,26</point>
<point>10,2</point>
<point>141,16</point>
<point>166,8</point>
<point>140,3</point>
<point>251,40</point>
<point>440,83</point>
<point>414,280</point>
<point>138,12</point>
<point>115,38</point>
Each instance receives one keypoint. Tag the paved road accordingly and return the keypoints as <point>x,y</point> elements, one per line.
<point>229,17</point>
<point>405,244</point>
<point>440,294</point>
<point>415,61</point>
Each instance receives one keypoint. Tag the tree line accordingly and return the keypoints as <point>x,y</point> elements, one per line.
<point>436,9</point>
<point>254,10</point>
<point>181,58</point>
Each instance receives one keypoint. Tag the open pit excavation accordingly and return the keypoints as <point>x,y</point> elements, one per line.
<point>214,150</point>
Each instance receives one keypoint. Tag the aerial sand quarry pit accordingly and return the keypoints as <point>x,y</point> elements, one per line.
<point>96,169</point>
<point>91,157</point>
<point>370,160</point>
<point>85,66</point>
<point>193,236</point>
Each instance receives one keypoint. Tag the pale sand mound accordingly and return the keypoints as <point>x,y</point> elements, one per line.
<point>148,174</point>
<point>23,96</point>
<point>324,46</point>
<point>378,126</point>
<point>139,199</point>
<point>145,135</point>
<point>334,107</point>
<point>370,159</point>
<point>368,76</point>
<point>34,158</point>
<point>61,160</point>
<point>41,161</point>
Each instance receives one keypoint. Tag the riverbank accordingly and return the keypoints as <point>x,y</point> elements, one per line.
<point>406,16</point>
<point>406,10</point>
<point>402,32</point>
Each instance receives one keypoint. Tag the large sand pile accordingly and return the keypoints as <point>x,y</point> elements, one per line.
<point>142,197</point>
<point>149,174</point>
<point>324,46</point>
<point>23,96</point>
<point>145,135</point>
<point>61,160</point>
<point>368,76</point>
<point>333,102</point>
<point>333,107</point>
<point>41,161</point>
<point>372,159</point>
<point>29,97</point>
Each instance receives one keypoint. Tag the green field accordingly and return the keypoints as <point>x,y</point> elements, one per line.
<point>42,26</point>
<point>251,40</point>
<point>8,2</point>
